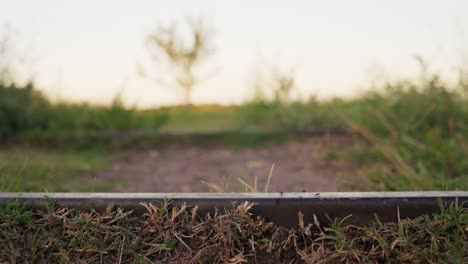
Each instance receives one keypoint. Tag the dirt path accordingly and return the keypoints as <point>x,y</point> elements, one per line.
<point>299,166</point>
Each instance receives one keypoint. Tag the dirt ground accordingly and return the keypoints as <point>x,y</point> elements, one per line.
<point>300,165</point>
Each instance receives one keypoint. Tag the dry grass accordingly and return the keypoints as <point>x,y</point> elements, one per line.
<point>244,186</point>
<point>168,234</point>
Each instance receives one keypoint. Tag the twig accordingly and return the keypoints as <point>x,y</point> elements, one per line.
<point>269,177</point>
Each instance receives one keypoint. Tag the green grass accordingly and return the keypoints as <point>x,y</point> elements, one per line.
<point>417,136</point>
<point>200,118</point>
<point>25,169</point>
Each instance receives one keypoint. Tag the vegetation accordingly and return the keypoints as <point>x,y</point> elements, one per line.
<point>25,113</point>
<point>200,118</point>
<point>34,170</point>
<point>418,135</point>
<point>416,132</point>
<point>183,59</point>
<point>413,134</point>
<point>168,234</point>
<point>273,107</point>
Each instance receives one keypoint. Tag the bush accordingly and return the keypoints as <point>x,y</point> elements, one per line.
<point>420,133</point>
<point>25,111</point>
<point>279,110</point>
<point>21,109</point>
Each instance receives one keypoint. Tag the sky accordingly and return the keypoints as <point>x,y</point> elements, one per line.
<point>90,50</point>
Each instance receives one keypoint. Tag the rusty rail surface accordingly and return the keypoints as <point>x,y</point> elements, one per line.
<point>281,208</point>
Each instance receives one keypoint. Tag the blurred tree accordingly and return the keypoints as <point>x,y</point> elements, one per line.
<point>167,43</point>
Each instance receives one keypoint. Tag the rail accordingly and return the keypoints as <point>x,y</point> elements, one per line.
<point>281,208</point>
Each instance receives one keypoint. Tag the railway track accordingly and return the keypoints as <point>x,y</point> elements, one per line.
<point>281,208</point>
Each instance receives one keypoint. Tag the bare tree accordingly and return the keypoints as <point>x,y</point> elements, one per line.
<point>182,56</point>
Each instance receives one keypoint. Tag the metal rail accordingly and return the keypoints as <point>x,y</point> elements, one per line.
<point>281,208</point>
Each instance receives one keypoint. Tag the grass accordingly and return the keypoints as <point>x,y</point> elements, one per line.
<point>200,118</point>
<point>25,169</point>
<point>416,135</point>
<point>166,234</point>
<point>244,185</point>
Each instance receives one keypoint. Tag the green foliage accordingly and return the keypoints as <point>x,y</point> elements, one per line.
<point>273,107</point>
<point>25,111</point>
<point>198,118</point>
<point>261,113</point>
<point>419,133</point>
<point>87,118</point>
<point>405,108</point>
<point>21,109</point>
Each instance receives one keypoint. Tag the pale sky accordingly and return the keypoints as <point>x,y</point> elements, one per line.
<point>89,50</point>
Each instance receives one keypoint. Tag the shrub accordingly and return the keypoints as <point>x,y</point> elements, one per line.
<point>21,109</point>
<point>25,111</point>
<point>420,132</point>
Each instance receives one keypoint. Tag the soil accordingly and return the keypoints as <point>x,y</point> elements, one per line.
<point>299,165</point>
